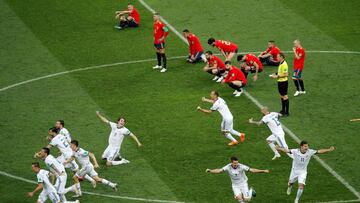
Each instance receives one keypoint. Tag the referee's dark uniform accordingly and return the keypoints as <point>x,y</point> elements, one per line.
<point>282,79</point>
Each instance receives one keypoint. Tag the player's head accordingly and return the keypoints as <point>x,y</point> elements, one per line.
<point>234,162</point>
<point>208,54</point>
<point>228,65</point>
<point>35,167</point>
<point>74,144</point>
<point>297,43</point>
<point>59,124</point>
<point>214,94</point>
<point>186,32</point>
<point>304,146</point>
<point>44,152</point>
<point>120,122</point>
<point>265,110</point>
<point>281,56</point>
<point>211,41</point>
<point>271,43</point>
<point>156,16</point>
<point>53,131</point>
<point>130,6</point>
<point>241,58</point>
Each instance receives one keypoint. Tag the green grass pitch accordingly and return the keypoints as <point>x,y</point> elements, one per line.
<point>43,37</point>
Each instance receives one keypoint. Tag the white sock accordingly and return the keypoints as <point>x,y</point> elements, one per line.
<point>87,177</point>
<point>78,188</point>
<point>273,148</point>
<point>230,137</point>
<point>122,161</point>
<point>234,132</point>
<point>106,182</point>
<point>299,193</point>
<point>70,189</point>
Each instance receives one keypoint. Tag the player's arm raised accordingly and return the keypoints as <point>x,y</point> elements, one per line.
<point>251,121</point>
<point>254,170</point>
<point>204,99</point>
<point>214,171</point>
<point>38,188</point>
<point>323,151</point>
<point>105,120</point>
<point>93,158</point>
<point>285,150</point>
<point>136,139</point>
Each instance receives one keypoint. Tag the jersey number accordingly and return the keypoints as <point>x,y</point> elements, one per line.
<point>65,142</point>
<point>276,121</point>
<point>225,42</point>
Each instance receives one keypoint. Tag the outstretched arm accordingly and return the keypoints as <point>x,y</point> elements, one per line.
<point>282,149</point>
<point>105,120</point>
<point>93,158</point>
<point>38,188</point>
<point>251,120</point>
<point>254,170</point>
<point>204,99</point>
<point>136,139</point>
<point>323,151</point>
<point>214,171</point>
<point>204,110</point>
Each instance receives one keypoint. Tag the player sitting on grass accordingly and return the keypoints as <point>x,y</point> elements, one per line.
<point>227,49</point>
<point>239,180</point>
<point>270,55</point>
<point>128,18</point>
<point>215,66</point>
<point>252,64</point>
<point>235,78</point>
<point>196,52</point>
<point>300,162</point>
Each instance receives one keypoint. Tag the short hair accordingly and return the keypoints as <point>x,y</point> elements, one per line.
<point>271,41</point>
<point>233,158</point>
<point>121,117</point>
<point>130,4</point>
<point>216,92</point>
<point>54,130</point>
<point>211,40</point>
<point>36,164</point>
<point>282,55</point>
<point>209,52</point>
<point>186,30</point>
<point>304,142</point>
<point>156,14</point>
<point>239,57</point>
<point>46,150</point>
<point>61,122</point>
<point>75,142</point>
<point>227,62</point>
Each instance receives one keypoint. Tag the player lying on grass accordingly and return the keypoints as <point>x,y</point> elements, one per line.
<point>116,137</point>
<point>218,104</point>
<point>196,52</point>
<point>44,183</point>
<point>87,168</point>
<point>239,180</point>
<point>227,49</point>
<point>270,55</point>
<point>160,33</point>
<point>235,78</point>
<point>271,119</point>
<point>252,64</point>
<point>128,18</point>
<point>300,162</point>
<point>215,66</point>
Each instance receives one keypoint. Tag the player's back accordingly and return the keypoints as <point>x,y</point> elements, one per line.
<point>54,164</point>
<point>66,133</point>
<point>43,177</point>
<point>61,142</point>
<point>221,106</point>
<point>272,121</point>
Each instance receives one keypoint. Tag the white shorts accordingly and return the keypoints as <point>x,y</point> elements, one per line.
<point>73,166</point>
<point>88,169</point>
<point>111,153</point>
<point>227,124</point>
<point>300,176</point>
<point>61,183</point>
<point>53,196</point>
<point>241,190</point>
<point>279,139</point>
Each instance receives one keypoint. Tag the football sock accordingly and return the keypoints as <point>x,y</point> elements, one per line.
<point>297,85</point>
<point>287,106</point>
<point>209,71</point>
<point>299,193</point>
<point>87,177</point>
<point>106,182</point>
<point>158,55</point>
<point>234,132</point>
<point>272,147</point>
<point>78,188</point>
<point>230,137</point>
<point>283,105</point>
<point>70,189</point>
<point>164,59</point>
<point>302,85</point>
<point>114,163</point>
<point>235,87</point>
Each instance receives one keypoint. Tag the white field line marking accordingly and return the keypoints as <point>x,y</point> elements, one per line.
<point>92,193</point>
<point>257,103</point>
<point>339,201</point>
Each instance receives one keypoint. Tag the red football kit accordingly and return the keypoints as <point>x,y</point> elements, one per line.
<point>235,74</point>
<point>220,64</point>
<point>226,46</point>
<point>299,63</point>
<point>159,32</point>
<point>194,44</point>
<point>274,51</point>
<point>135,14</point>
<point>252,58</point>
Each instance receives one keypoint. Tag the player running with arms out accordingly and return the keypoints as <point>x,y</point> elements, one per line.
<point>227,49</point>
<point>160,33</point>
<point>60,125</point>
<point>116,137</point>
<point>299,60</point>
<point>196,52</point>
<point>128,18</point>
<point>270,55</point>
<point>252,64</point>
<point>235,78</point>
<point>218,104</point>
<point>215,66</point>
<point>44,183</point>
<point>239,180</point>
<point>271,119</point>
<point>300,162</point>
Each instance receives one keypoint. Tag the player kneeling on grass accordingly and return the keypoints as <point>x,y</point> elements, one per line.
<point>128,18</point>
<point>252,64</point>
<point>116,137</point>
<point>239,180</point>
<point>227,125</point>
<point>196,52</point>
<point>215,66</point>
<point>300,162</point>
<point>44,183</point>
<point>235,78</point>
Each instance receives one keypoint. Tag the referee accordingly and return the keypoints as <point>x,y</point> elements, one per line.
<point>282,79</point>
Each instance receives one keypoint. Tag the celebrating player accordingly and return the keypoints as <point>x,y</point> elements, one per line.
<point>59,124</point>
<point>196,52</point>
<point>271,119</point>
<point>214,66</point>
<point>227,49</point>
<point>299,59</point>
<point>235,78</point>
<point>270,55</point>
<point>252,65</point>
<point>239,180</point>
<point>117,135</point>
<point>160,32</point>
<point>300,162</point>
<point>131,20</point>
<point>218,104</point>
<point>282,79</point>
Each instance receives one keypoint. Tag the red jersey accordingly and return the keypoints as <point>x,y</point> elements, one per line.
<point>135,14</point>
<point>235,74</point>
<point>226,46</point>
<point>299,63</point>
<point>160,31</point>
<point>194,44</point>
<point>274,51</point>
<point>251,59</point>
<point>220,64</point>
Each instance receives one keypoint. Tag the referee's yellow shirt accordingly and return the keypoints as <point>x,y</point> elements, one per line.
<point>282,72</point>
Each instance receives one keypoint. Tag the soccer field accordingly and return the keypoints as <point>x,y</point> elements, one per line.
<point>64,60</point>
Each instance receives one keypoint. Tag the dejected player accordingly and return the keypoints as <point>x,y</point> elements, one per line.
<point>270,55</point>
<point>235,78</point>
<point>128,18</point>
<point>196,52</point>
<point>252,64</point>
<point>215,66</point>
<point>227,49</point>
<point>160,33</point>
<point>299,59</point>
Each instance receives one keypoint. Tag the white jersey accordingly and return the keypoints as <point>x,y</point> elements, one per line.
<point>82,156</point>
<point>66,133</point>
<point>43,178</point>
<point>61,142</point>
<point>221,106</point>
<point>54,166</point>
<point>117,135</point>
<point>272,121</point>
<point>237,175</point>
<point>301,160</point>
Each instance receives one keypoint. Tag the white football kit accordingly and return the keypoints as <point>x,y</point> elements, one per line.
<point>61,142</point>
<point>58,169</point>
<point>238,179</point>
<point>66,133</point>
<point>227,118</point>
<point>299,165</point>
<point>278,135</point>
<point>116,138</point>
<point>49,190</point>
<point>82,156</point>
